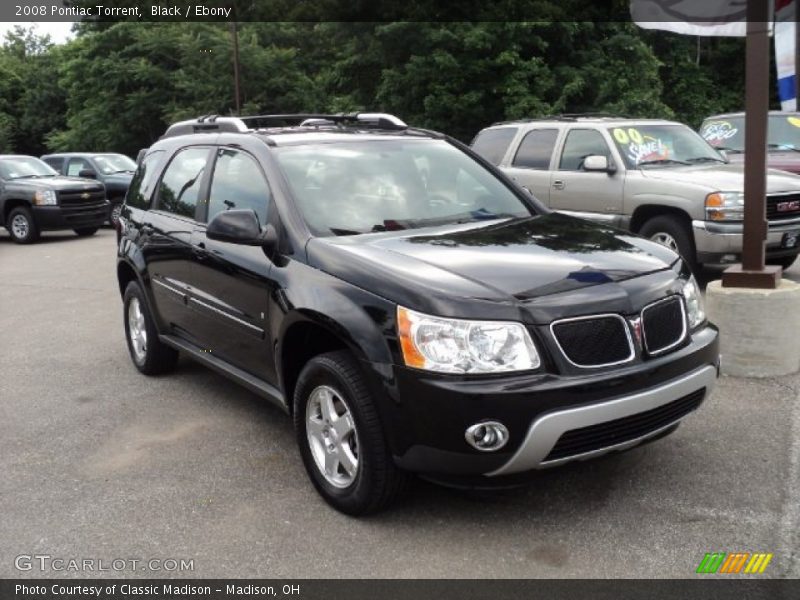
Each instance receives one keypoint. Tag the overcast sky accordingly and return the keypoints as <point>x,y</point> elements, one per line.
<point>59,32</point>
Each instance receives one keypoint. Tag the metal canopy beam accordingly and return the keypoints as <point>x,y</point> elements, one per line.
<point>752,273</point>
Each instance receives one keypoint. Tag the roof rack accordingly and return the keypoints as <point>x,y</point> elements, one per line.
<point>217,124</point>
<point>564,117</point>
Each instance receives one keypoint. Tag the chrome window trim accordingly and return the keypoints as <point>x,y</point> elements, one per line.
<point>229,316</point>
<point>625,326</point>
<point>683,320</point>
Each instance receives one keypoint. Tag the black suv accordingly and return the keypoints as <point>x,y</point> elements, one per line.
<point>114,171</point>
<point>34,198</point>
<point>411,307</point>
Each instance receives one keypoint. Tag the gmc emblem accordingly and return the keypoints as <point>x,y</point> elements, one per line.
<point>789,206</point>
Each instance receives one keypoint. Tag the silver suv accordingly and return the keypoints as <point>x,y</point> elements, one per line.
<point>656,178</point>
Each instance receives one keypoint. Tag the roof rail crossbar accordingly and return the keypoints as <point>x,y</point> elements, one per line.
<point>377,120</point>
<point>206,124</point>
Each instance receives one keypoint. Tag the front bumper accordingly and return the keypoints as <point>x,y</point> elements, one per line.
<point>74,216</point>
<point>431,413</point>
<point>718,243</point>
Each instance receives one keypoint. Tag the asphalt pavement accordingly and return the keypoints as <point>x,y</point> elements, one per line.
<point>98,462</point>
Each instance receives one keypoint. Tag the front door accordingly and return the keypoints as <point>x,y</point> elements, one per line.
<point>592,194</point>
<point>232,282</point>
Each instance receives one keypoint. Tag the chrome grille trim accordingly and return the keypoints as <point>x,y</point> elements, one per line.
<point>625,326</point>
<point>684,330</point>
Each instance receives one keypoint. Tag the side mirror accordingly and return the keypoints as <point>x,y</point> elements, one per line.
<point>87,174</point>
<point>597,162</point>
<point>241,226</point>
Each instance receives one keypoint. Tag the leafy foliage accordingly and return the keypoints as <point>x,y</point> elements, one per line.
<point>116,86</point>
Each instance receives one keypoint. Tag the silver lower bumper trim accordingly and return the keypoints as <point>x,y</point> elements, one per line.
<point>546,430</point>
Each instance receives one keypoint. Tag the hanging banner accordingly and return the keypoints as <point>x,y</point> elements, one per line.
<point>784,53</point>
<point>692,17</point>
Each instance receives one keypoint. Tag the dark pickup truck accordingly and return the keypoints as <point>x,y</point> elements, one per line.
<point>34,198</point>
<point>112,170</point>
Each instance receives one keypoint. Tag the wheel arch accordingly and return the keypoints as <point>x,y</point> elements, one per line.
<point>645,212</point>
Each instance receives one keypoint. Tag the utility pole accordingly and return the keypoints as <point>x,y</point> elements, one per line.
<point>236,80</point>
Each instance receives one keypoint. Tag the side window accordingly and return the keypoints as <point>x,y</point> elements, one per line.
<point>180,185</point>
<point>536,149</point>
<point>141,188</point>
<point>492,144</point>
<point>238,183</point>
<point>581,143</point>
<point>76,165</point>
<point>56,162</point>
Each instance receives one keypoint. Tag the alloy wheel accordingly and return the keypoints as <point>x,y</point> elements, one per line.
<point>20,226</point>
<point>137,332</point>
<point>332,436</point>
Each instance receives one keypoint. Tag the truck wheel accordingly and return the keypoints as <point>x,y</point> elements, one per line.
<point>113,214</point>
<point>149,355</point>
<point>341,439</point>
<point>784,261</point>
<point>21,226</point>
<point>673,233</point>
<point>86,231</point>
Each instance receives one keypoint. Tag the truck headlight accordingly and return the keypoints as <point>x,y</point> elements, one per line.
<point>461,346</point>
<point>694,303</point>
<point>45,198</point>
<point>725,206</point>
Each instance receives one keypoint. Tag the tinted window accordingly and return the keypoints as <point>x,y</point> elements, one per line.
<point>56,162</point>
<point>492,144</point>
<point>238,183</point>
<point>180,185</point>
<point>141,187</point>
<point>536,149</point>
<point>76,165</point>
<point>580,144</point>
<point>348,188</point>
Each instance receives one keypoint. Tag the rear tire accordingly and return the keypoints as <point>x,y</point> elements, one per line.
<point>148,354</point>
<point>343,447</point>
<point>674,233</point>
<point>85,231</point>
<point>784,261</point>
<point>21,225</point>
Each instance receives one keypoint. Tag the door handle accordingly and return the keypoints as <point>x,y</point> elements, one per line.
<point>558,184</point>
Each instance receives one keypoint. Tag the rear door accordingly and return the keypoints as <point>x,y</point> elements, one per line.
<point>531,163</point>
<point>595,195</point>
<point>167,236</point>
<point>231,283</point>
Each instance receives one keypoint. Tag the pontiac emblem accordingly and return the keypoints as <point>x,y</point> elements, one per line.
<point>788,206</point>
<point>636,326</point>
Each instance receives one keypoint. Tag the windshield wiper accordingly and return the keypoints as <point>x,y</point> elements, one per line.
<point>729,149</point>
<point>783,147</point>
<point>337,231</point>
<point>698,159</point>
<point>662,161</point>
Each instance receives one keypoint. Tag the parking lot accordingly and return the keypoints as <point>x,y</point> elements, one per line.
<point>98,461</point>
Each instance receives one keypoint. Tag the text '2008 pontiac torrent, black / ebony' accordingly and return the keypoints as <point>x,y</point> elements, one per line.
<point>410,307</point>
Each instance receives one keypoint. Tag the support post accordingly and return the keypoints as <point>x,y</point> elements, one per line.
<point>752,273</point>
<point>236,82</point>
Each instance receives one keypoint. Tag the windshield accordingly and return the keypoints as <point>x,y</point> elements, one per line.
<point>21,167</point>
<point>662,145</point>
<point>358,187</point>
<point>728,133</point>
<point>114,163</point>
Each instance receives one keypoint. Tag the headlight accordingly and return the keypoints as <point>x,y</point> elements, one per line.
<point>45,198</point>
<point>459,346</point>
<point>694,303</point>
<point>725,206</point>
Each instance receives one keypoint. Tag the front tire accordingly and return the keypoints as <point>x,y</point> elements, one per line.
<point>85,231</point>
<point>149,355</point>
<point>341,438</point>
<point>21,226</point>
<point>674,233</point>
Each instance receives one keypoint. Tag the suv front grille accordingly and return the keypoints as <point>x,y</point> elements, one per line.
<point>596,341</point>
<point>70,197</point>
<point>611,433</point>
<point>783,206</point>
<point>663,325</point>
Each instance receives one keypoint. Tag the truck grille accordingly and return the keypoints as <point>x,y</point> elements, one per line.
<point>783,206</point>
<point>596,341</point>
<point>71,197</point>
<point>626,429</point>
<point>663,325</point>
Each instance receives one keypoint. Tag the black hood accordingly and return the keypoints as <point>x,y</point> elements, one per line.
<point>514,261</point>
<point>58,184</point>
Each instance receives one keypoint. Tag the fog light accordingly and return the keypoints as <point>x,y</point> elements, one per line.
<point>487,436</point>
